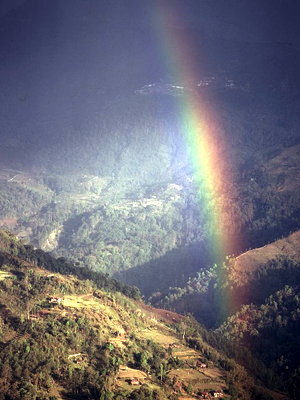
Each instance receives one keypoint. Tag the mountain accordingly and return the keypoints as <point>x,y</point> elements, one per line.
<point>68,338</point>
<point>252,301</point>
<point>97,169</point>
<point>248,278</point>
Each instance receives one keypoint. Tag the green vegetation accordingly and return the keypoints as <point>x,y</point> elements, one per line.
<point>16,249</point>
<point>121,205</point>
<point>135,230</point>
<point>115,207</point>
<point>208,293</point>
<point>17,200</point>
<point>63,337</point>
<point>271,330</point>
<point>257,318</point>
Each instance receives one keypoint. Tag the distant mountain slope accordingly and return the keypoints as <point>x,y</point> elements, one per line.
<point>248,278</point>
<point>245,265</point>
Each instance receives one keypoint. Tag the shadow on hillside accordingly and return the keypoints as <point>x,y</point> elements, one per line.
<point>70,226</point>
<point>172,269</point>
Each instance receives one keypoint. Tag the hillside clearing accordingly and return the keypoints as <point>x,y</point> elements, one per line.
<point>198,380</point>
<point>5,275</point>
<point>82,301</point>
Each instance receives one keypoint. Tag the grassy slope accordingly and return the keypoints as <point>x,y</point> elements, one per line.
<point>246,264</point>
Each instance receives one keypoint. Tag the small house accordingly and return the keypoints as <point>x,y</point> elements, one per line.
<point>33,317</point>
<point>55,300</point>
<point>78,358</point>
<point>174,345</point>
<point>217,395</point>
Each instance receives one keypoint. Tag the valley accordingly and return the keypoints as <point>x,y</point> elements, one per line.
<point>136,230</point>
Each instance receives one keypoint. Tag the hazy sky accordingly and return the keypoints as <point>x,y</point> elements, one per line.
<point>61,61</point>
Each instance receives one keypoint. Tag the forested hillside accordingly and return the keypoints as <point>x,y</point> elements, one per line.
<point>117,224</point>
<point>271,331</point>
<point>62,337</point>
<point>252,301</point>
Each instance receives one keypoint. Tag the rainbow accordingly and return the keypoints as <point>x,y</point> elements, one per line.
<point>199,125</point>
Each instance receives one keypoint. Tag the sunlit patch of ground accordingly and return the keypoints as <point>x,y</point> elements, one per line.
<point>196,379</point>
<point>185,353</point>
<point>105,315</point>
<point>158,337</point>
<point>213,373</point>
<point>161,314</point>
<point>4,275</point>
<point>131,373</point>
<point>207,379</point>
<point>83,301</point>
<point>250,261</point>
<point>125,375</point>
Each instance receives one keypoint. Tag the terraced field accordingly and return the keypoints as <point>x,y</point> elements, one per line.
<point>189,374</point>
<point>200,379</point>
